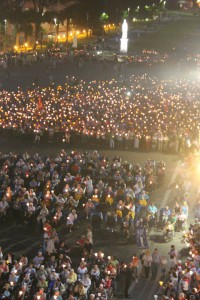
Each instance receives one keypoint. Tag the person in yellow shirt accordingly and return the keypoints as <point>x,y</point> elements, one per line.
<point>143,197</point>
<point>120,209</point>
<point>143,202</point>
<point>78,192</point>
<point>71,277</point>
<point>95,196</point>
<point>131,210</point>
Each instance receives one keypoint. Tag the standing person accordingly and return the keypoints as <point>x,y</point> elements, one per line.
<point>50,248</point>
<point>112,142</point>
<point>147,261</point>
<point>71,219</point>
<point>172,257</point>
<point>43,214</point>
<point>89,206</point>
<point>185,209</point>
<point>89,186</point>
<point>135,264</point>
<point>128,279</point>
<point>156,260</point>
<point>3,208</point>
<point>163,262</point>
<point>89,234</point>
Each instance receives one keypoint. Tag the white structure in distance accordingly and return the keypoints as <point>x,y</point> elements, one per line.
<point>124,39</point>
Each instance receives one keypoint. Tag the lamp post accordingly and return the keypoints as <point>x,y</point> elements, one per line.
<point>56,27</point>
<point>5,34</point>
<point>25,46</point>
<point>87,17</point>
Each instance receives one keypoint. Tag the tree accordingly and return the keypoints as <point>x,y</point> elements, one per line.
<point>38,11</point>
<point>12,10</point>
<point>69,12</point>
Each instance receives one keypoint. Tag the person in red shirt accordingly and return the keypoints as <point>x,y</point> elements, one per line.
<point>81,242</point>
<point>107,282</point>
<point>77,178</point>
<point>47,230</point>
<point>110,270</point>
<point>134,266</point>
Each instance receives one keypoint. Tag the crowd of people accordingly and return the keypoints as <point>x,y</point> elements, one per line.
<point>54,58</point>
<point>64,191</point>
<point>139,113</point>
<point>87,193</point>
<point>75,189</point>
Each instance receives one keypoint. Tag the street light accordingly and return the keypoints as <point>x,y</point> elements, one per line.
<point>5,35</point>
<point>25,46</point>
<point>56,27</point>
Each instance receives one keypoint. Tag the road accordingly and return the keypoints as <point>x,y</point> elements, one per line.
<point>42,73</point>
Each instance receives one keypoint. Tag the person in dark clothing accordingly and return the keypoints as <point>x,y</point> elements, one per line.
<point>128,279</point>
<point>88,246</point>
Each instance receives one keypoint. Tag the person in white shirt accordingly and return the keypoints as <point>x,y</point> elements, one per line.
<point>89,186</point>
<point>57,216</point>
<point>3,207</point>
<point>31,209</point>
<point>172,256</point>
<point>82,270</point>
<point>147,261</point>
<point>86,281</point>
<point>29,212</point>
<point>70,219</point>
<point>43,214</point>
<point>59,200</point>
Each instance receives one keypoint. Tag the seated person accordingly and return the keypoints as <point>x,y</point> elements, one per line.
<point>95,274</point>
<point>107,282</point>
<point>95,196</point>
<point>71,277</point>
<point>172,218</point>
<point>99,259</point>
<point>109,197</point>
<point>82,270</point>
<point>168,227</point>
<point>166,213</point>
<point>79,290</point>
<point>110,270</point>
<point>42,282</point>
<point>100,291</point>
<point>120,209</point>
<point>142,202</point>
<point>86,281</point>
<point>113,260</point>
<point>151,211</point>
<point>131,209</point>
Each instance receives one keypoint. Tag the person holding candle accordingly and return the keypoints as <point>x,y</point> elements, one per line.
<point>71,220</point>
<point>110,270</point>
<point>40,295</point>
